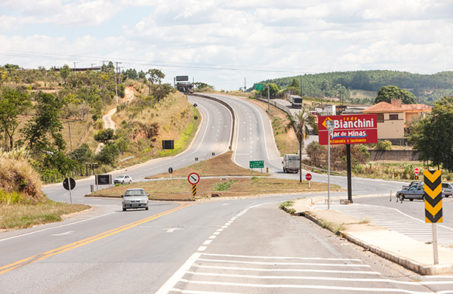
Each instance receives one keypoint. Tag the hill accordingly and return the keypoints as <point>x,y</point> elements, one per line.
<point>427,87</point>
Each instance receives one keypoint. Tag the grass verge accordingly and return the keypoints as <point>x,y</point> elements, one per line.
<point>180,189</point>
<point>221,165</point>
<point>19,216</point>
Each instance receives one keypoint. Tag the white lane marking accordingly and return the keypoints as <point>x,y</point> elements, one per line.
<point>171,230</point>
<point>281,257</point>
<point>318,287</point>
<point>285,263</point>
<point>63,234</point>
<point>360,280</point>
<point>165,288</point>
<point>202,248</point>
<point>297,270</point>
<point>62,226</point>
<point>207,242</point>
<point>212,237</point>
<point>216,233</point>
<point>199,292</point>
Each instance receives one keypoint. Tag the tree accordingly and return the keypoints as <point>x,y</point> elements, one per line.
<point>154,76</point>
<point>301,122</point>
<point>64,72</point>
<point>12,104</point>
<point>45,124</point>
<point>387,93</point>
<point>105,136</point>
<point>162,90</point>
<point>273,88</point>
<point>432,136</point>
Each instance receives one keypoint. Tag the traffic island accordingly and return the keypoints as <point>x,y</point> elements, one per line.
<point>394,246</point>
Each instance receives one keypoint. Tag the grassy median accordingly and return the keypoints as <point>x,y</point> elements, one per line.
<point>180,189</point>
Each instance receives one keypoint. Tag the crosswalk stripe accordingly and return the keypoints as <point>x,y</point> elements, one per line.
<point>280,257</point>
<point>355,272</point>
<point>284,263</point>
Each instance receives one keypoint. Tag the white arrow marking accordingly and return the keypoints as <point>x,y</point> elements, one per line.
<point>63,234</point>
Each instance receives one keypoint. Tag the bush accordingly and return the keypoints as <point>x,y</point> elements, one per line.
<point>109,154</point>
<point>384,145</point>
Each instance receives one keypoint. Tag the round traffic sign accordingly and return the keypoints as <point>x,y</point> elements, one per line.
<point>308,176</point>
<point>170,170</point>
<point>69,183</point>
<point>416,170</point>
<point>193,178</point>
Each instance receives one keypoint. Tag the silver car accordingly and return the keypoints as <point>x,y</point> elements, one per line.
<point>122,179</point>
<point>135,198</point>
<point>447,189</point>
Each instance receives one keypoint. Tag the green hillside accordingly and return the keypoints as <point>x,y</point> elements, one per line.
<point>427,87</point>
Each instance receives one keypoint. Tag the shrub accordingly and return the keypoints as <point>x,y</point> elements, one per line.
<point>384,145</point>
<point>109,154</point>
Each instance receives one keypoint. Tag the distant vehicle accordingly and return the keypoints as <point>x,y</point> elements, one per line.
<point>414,183</point>
<point>295,100</point>
<point>447,189</point>
<point>122,179</point>
<point>415,191</point>
<point>291,163</point>
<point>135,198</point>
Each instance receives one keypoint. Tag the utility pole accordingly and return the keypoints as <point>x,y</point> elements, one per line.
<point>74,66</point>
<point>116,81</point>
<point>245,85</point>
<point>268,98</point>
<point>70,137</point>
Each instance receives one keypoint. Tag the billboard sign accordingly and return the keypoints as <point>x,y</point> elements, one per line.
<point>182,78</point>
<point>348,129</point>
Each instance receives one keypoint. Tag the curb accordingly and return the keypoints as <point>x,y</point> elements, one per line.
<point>407,263</point>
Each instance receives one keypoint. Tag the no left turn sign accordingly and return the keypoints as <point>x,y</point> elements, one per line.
<point>193,178</point>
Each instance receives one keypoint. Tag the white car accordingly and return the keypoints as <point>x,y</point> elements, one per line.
<point>122,179</point>
<point>135,198</point>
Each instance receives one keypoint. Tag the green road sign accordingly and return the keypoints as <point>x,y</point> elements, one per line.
<point>256,164</point>
<point>259,87</point>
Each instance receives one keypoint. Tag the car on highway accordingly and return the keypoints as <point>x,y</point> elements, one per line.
<point>413,183</point>
<point>447,189</point>
<point>414,191</point>
<point>135,198</point>
<point>122,179</point>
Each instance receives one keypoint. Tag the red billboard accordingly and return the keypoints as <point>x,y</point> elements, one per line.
<point>348,129</point>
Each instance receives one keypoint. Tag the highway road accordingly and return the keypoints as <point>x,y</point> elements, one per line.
<point>244,245</point>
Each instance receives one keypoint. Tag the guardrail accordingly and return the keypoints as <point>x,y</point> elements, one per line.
<point>228,107</point>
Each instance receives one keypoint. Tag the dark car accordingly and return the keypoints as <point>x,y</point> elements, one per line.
<point>414,191</point>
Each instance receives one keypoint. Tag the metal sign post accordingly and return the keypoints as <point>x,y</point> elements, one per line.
<point>330,127</point>
<point>69,184</point>
<point>433,204</point>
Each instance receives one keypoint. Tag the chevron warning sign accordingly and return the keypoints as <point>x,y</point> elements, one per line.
<point>433,196</point>
<point>194,190</point>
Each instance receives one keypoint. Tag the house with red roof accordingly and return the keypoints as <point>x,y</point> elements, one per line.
<point>394,119</point>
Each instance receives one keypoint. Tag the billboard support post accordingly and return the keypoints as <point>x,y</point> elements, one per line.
<point>348,167</point>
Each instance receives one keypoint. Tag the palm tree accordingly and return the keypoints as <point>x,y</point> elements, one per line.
<point>300,122</point>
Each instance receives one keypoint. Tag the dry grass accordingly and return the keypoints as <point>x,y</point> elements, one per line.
<point>80,133</point>
<point>17,175</point>
<point>27,215</point>
<point>221,165</point>
<point>180,189</point>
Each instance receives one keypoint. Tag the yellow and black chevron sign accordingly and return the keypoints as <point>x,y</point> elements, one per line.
<point>194,190</point>
<point>433,196</point>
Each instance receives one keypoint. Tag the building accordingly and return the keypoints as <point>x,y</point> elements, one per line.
<point>394,119</point>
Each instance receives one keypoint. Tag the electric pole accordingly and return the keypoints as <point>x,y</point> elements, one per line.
<point>116,81</point>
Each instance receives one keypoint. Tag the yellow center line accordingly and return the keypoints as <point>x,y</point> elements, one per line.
<point>47,254</point>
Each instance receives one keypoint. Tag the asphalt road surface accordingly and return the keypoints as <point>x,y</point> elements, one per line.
<point>244,245</point>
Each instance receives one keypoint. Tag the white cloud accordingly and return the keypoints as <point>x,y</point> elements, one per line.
<point>287,37</point>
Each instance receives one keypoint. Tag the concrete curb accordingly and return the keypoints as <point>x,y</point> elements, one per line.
<point>407,263</point>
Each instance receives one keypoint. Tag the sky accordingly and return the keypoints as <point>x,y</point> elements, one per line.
<point>230,44</point>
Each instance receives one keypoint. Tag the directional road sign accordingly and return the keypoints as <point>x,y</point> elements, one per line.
<point>259,87</point>
<point>433,196</point>
<point>256,164</point>
<point>193,178</point>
